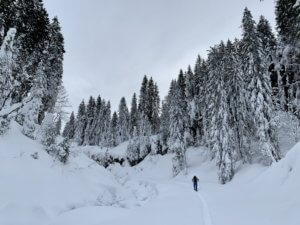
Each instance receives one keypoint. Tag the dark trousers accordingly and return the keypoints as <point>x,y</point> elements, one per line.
<point>195,186</point>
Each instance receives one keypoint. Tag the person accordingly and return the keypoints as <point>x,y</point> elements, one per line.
<point>195,182</point>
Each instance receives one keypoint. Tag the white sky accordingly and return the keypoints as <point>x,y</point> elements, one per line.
<point>111,44</point>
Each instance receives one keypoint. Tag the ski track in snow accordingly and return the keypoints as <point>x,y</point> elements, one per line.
<point>205,210</point>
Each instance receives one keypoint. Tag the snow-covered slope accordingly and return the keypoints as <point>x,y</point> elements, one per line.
<point>45,192</point>
<point>258,195</point>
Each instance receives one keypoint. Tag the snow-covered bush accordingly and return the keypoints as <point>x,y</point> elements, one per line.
<point>137,149</point>
<point>60,149</point>
<point>179,160</point>
<point>47,132</point>
<point>106,159</point>
<point>4,125</point>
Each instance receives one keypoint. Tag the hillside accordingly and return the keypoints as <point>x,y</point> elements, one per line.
<point>45,192</point>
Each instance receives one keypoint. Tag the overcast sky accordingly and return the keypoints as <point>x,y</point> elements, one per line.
<point>111,44</point>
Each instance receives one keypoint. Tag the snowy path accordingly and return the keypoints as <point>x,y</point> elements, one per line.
<point>205,211</point>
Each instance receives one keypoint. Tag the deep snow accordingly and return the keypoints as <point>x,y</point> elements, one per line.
<point>44,192</point>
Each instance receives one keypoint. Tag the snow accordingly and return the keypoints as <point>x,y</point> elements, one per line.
<point>118,151</point>
<point>45,192</point>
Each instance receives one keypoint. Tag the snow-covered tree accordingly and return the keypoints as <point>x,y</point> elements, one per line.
<point>222,144</point>
<point>260,94</point>
<point>236,93</point>
<point>176,141</point>
<point>133,115</point>
<point>80,124</point>
<point>123,121</point>
<point>90,117</point>
<point>69,129</point>
<point>114,130</point>
<point>58,126</point>
<point>6,68</point>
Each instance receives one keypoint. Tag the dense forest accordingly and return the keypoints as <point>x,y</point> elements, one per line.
<point>228,102</point>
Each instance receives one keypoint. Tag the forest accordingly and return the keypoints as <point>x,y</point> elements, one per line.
<point>230,101</point>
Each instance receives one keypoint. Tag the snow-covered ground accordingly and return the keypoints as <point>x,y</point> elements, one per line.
<point>44,192</point>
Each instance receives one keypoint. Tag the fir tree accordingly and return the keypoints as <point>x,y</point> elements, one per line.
<point>123,122</point>
<point>114,130</point>
<point>133,115</point>
<point>222,145</point>
<point>80,124</point>
<point>69,129</point>
<point>90,116</point>
<point>106,125</point>
<point>144,125</point>
<point>190,93</point>
<point>259,91</point>
<point>201,100</point>
<point>236,91</point>
<point>6,68</point>
<point>176,141</point>
<point>58,126</point>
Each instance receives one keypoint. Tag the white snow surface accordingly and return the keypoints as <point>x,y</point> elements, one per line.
<point>45,192</point>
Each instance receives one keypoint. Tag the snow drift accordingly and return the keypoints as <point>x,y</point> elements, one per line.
<point>37,190</point>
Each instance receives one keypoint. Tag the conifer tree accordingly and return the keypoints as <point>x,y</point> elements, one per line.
<point>164,121</point>
<point>144,125</point>
<point>95,131</point>
<point>90,117</point>
<point>54,54</point>
<point>69,129</point>
<point>6,68</point>
<point>190,93</point>
<point>288,26</point>
<point>80,124</point>
<point>58,126</point>
<point>259,91</point>
<point>176,140</point>
<point>268,53</point>
<point>236,92</point>
<point>106,124</point>
<point>123,121</point>
<point>114,130</point>
<point>201,100</point>
<point>222,146</point>
<point>133,115</point>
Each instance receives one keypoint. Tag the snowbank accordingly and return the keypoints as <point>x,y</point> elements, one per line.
<point>45,192</point>
<point>257,195</point>
<point>34,191</point>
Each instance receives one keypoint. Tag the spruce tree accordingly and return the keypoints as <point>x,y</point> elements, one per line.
<point>54,54</point>
<point>259,91</point>
<point>288,26</point>
<point>144,125</point>
<point>190,93</point>
<point>58,126</point>
<point>268,54</point>
<point>133,115</point>
<point>90,117</point>
<point>123,121</point>
<point>236,92</point>
<point>69,129</point>
<point>176,141</point>
<point>106,125</point>
<point>201,100</point>
<point>222,145</point>
<point>6,68</point>
<point>114,130</point>
<point>80,125</point>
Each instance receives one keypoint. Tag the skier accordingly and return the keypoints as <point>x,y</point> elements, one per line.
<point>195,181</point>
